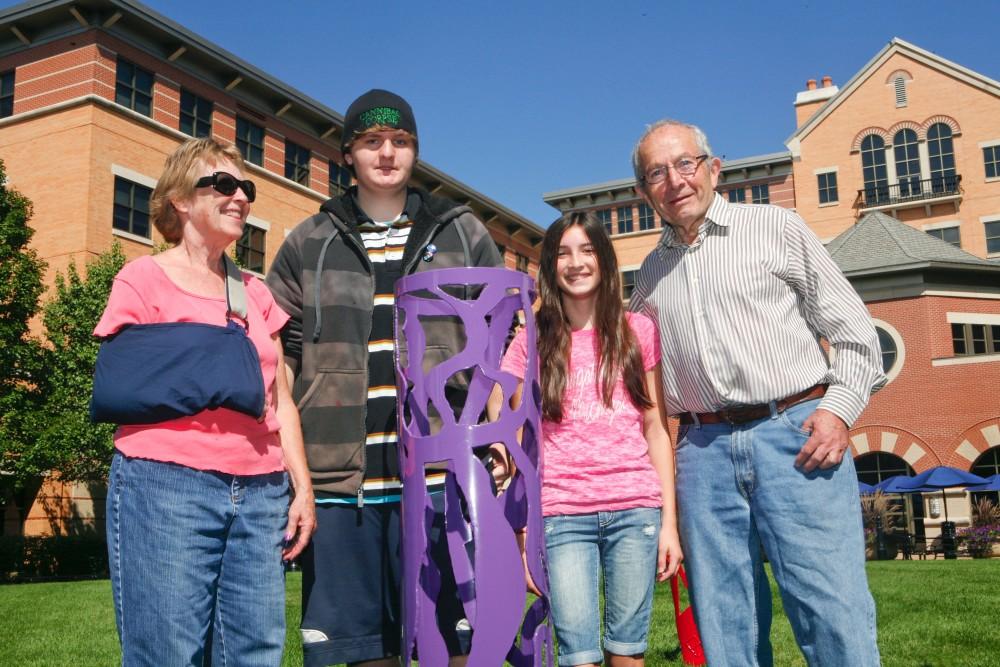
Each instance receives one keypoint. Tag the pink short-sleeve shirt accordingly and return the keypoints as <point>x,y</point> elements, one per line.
<point>597,458</point>
<point>222,440</point>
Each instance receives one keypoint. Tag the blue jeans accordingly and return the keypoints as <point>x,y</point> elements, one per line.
<point>622,545</point>
<point>192,554</point>
<point>738,488</point>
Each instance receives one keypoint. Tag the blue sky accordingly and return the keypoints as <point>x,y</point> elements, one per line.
<point>518,98</point>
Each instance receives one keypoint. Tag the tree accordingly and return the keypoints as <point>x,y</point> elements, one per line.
<point>21,287</point>
<point>63,438</point>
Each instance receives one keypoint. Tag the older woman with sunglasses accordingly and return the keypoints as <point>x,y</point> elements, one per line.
<point>198,510</point>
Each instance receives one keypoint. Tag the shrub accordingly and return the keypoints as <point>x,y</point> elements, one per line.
<point>979,540</point>
<point>62,557</point>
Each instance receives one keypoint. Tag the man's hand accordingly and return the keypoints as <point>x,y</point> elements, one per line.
<point>827,443</point>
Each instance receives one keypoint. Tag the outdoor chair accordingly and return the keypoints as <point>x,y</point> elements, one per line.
<point>922,548</point>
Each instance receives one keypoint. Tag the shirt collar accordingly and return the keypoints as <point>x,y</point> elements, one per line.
<point>717,214</point>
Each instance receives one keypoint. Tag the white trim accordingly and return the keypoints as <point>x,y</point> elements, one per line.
<point>973,318</point>
<point>259,223</point>
<point>941,225</point>
<point>893,372</point>
<point>962,295</point>
<point>132,237</point>
<point>825,170</point>
<point>995,217</point>
<point>966,359</point>
<point>989,143</point>
<point>630,267</point>
<point>134,176</point>
<point>828,205</point>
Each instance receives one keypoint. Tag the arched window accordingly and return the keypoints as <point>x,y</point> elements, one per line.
<point>875,467</point>
<point>942,155</point>
<point>987,465</point>
<point>907,162</point>
<point>873,167</point>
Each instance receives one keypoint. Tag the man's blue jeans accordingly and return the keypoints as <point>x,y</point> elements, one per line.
<point>193,552</point>
<point>738,488</point>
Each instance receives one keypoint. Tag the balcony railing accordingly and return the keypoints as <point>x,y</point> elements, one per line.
<point>909,191</point>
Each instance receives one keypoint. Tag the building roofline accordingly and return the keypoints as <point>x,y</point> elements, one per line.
<point>923,266</point>
<point>895,45</point>
<point>322,120</point>
<point>626,183</point>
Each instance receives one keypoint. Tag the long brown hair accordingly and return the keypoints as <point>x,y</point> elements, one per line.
<point>618,350</point>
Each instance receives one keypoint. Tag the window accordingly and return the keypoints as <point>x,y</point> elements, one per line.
<point>134,87</point>
<point>131,211</point>
<point>941,151</point>
<point>196,115</point>
<point>876,467</point>
<point>991,159</point>
<point>647,220</point>
<point>624,219</point>
<point>296,163</point>
<point>888,346</point>
<point>250,248</point>
<point>340,179</point>
<point>502,249</point>
<point>987,465</point>
<point>604,217</point>
<point>7,94</point>
<point>738,196</point>
<point>975,339</point>
<point>904,146</point>
<point>873,168</point>
<point>827,184</point>
<point>947,234</point>
<point>250,140</point>
<point>760,194</point>
<point>628,284</point>
<point>992,237</point>
<point>521,262</point>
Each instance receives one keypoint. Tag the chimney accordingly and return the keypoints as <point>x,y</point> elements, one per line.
<point>808,101</point>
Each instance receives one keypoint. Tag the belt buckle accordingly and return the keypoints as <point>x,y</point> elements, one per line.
<point>730,416</point>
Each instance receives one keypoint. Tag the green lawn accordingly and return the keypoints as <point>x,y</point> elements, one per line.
<point>931,614</point>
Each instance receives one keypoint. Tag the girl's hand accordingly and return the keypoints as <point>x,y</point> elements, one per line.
<point>669,555</point>
<point>502,466</point>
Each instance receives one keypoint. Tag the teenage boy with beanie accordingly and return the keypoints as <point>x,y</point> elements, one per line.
<point>335,276</point>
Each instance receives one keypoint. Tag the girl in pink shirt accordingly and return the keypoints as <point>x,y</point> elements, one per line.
<point>608,474</point>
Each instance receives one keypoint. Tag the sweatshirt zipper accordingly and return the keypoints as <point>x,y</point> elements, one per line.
<point>364,417</point>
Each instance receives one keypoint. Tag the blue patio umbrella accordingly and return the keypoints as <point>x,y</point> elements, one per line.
<point>892,484</point>
<point>936,479</point>
<point>866,489</point>
<point>992,484</point>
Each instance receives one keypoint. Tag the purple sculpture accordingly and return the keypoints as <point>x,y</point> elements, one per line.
<point>482,303</point>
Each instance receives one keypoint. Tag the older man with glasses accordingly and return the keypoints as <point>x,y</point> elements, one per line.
<point>743,295</point>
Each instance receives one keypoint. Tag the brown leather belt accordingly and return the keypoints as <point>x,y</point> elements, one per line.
<point>742,414</point>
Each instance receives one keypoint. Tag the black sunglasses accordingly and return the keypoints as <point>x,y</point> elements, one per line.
<point>227,183</point>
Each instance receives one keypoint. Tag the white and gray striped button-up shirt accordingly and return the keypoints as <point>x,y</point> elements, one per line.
<point>741,311</point>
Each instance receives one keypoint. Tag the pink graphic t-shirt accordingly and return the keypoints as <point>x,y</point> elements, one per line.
<point>597,458</point>
<point>222,440</point>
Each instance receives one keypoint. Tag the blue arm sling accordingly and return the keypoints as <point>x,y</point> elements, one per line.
<point>150,373</point>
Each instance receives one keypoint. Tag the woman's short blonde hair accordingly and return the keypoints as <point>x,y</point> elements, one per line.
<point>180,172</point>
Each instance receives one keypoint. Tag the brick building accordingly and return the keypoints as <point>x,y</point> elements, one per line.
<point>899,173</point>
<point>94,94</point>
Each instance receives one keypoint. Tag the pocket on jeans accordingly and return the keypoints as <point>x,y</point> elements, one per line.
<point>794,417</point>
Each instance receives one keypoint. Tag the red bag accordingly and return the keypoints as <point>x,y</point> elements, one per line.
<point>687,632</point>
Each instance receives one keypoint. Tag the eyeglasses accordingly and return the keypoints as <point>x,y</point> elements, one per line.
<point>686,167</point>
<point>226,184</point>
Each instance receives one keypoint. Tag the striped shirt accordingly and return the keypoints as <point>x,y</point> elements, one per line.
<point>384,244</point>
<point>742,309</point>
